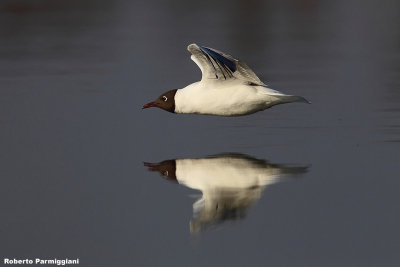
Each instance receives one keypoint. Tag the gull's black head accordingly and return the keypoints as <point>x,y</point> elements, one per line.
<point>167,168</point>
<point>165,101</point>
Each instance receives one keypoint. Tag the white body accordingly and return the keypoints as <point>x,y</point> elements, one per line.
<point>231,97</point>
<point>224,173</point>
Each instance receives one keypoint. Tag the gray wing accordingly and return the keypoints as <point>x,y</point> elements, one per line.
<point>218,65</point>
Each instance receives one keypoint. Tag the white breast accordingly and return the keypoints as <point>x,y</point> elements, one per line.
<point>210,174</point>
<point>228,98</point>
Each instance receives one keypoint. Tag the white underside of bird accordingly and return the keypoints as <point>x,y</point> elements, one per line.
<point>228,98</point>
<point>215,174</point>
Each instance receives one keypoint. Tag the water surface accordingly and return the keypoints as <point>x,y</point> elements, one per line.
<point>75,75</point>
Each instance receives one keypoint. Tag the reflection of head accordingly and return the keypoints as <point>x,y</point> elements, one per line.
<point>230,184</point>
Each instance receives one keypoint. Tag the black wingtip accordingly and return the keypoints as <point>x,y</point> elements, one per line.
<point>218,56</point>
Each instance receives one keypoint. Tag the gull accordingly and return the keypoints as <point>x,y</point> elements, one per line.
<point>230,183</point>
<point>228,87</point>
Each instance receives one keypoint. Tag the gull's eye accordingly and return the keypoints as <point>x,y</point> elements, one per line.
<point>164,98</point>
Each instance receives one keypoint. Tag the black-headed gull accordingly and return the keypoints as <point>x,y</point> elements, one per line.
<point>230,183</point>
<point>228,87</point>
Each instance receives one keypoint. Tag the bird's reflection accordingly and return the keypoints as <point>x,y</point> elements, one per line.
<point>230,184</point>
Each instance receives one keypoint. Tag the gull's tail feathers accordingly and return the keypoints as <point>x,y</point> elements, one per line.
<point>290,99</point>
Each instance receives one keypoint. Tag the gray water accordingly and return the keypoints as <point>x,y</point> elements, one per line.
<point>75,74</point>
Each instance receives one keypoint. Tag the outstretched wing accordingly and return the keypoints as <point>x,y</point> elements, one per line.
<point>218,65</point>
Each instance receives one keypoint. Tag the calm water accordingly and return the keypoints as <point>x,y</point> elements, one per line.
<point>74,75</point>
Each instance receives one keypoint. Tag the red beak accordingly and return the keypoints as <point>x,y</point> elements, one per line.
<point>151,166</point>
<point>149,105</point>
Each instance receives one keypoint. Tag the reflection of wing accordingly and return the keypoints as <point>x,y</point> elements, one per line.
<point>218,65</point>
<point>224,205</point>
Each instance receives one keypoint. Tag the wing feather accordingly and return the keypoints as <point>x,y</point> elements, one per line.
<point>215,64</point>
